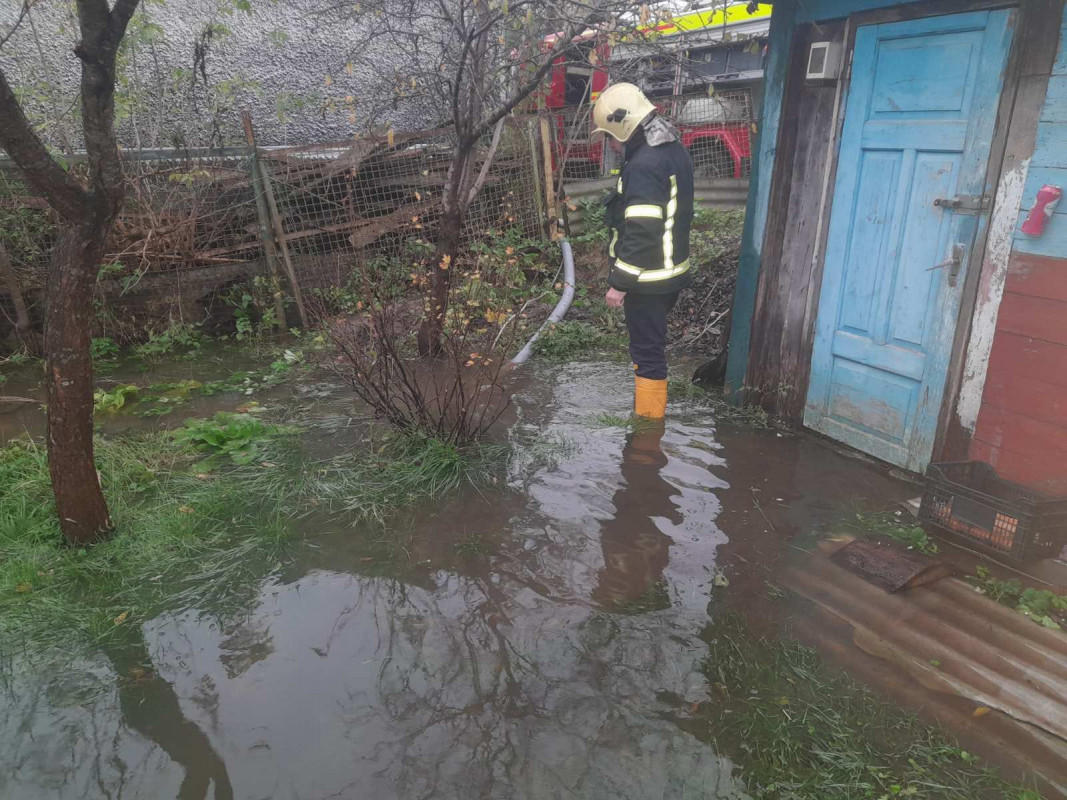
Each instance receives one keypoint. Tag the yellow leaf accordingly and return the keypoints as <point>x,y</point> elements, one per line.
<point>390,137</point>
<point>186,509</point>
<point>418,196</point>
<point>981,711</point>
<point>446,261</point>
<point>22,588</point>
<point>121,617</point>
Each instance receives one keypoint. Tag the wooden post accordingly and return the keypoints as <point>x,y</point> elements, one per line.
<point>269,250</point>
<point>279,233</point>
<point>535,167</point>
<point>550,191</point>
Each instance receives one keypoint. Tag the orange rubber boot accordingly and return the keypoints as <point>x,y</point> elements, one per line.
<point>650,398</point>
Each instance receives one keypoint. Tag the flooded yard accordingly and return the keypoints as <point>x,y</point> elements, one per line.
<point>579,629</point>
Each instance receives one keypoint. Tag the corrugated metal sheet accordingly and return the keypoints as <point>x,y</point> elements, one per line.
<point>708,192</point>
<point>952,640</point>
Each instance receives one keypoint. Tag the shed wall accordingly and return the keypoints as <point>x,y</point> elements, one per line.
<point>1022,421</point>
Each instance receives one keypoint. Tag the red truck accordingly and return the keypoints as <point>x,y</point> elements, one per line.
<point>721,48</point>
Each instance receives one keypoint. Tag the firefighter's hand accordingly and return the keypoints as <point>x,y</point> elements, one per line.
<point>614,298</point>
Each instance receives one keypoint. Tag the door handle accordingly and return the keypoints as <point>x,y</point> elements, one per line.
<point>953,262</point>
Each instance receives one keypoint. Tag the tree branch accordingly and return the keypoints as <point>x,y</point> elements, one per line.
<point>487,164</point>
<point>525,90</point>
<point>42,172</point>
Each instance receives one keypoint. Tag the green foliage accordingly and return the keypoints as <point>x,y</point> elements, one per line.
<point>566,341</point>
<point>179,337</point>
<point>594,223</point>
<point>1044,607</point>
<point>802,730</point>
<point>716,232</point>
<point>254,311</point>
<point>890,526</point>
<point>103,349</point>
<point>112,400</point>
<point>239,439</point>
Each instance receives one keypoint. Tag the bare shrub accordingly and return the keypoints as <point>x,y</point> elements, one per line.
<point>458,395</point>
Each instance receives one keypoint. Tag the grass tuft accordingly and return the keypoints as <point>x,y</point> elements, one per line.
<point>723,411</point>
<point>186,538</point>
<point>568,341</point>
<point>802,730</point>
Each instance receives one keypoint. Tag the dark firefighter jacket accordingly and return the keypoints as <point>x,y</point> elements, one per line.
<point>648,216</point>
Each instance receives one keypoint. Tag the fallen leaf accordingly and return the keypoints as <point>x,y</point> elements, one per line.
<point>981,711</point>
<point>121,617</point>
<point>186,509</point>
<point>390,137</point>
<point>22,588</point>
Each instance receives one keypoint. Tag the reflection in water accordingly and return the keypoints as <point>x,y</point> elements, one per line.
<point>635,549</point>
<point>502,675</point>
<point>150,706</point>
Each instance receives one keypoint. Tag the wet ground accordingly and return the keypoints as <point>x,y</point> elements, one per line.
<point>546,646</point>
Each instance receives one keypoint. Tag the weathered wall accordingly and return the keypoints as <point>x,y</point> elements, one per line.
<point>1022,422</point>
<point>298,69</point>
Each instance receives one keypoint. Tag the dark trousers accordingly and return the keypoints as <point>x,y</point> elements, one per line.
<point>646,322</point>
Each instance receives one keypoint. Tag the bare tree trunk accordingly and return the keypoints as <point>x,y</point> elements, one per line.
<point>22,314</point>
<point>83,514</point>
<point>454,206</point>
<point>87,212</point>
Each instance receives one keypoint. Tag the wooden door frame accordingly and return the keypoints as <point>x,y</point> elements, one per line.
<point>994,169</point>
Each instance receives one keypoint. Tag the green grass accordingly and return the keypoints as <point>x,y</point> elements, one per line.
<point>724,412</point>
<point>567,341</point>
<point>802,730</point>
<point>892,526</point>
<point>189,539</point>
<point>631,422</point>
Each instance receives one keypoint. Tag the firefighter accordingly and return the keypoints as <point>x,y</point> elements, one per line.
<point>648,215</point>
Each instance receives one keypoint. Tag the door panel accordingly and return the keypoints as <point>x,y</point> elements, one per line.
<point>918,125</point>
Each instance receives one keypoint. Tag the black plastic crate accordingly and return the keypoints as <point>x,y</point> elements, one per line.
<point>969,499</point>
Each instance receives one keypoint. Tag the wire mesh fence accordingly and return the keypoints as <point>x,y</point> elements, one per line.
<point>716,128</point>
<point>197,227</point>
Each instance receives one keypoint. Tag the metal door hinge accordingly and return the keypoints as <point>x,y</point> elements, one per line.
<point>965,203</point>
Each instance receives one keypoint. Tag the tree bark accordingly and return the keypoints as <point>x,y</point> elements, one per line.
<point>87,212</point>
<point>83,514</point>
<point>454,206</point>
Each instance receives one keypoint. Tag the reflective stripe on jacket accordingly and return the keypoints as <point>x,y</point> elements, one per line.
<point>649,217</point>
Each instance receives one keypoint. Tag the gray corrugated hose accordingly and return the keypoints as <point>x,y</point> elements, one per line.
<point>561,307</point>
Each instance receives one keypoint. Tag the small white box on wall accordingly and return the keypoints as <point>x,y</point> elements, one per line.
<point>824,61</point>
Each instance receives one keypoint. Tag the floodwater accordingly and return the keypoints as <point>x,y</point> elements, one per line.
<point>553,658</point>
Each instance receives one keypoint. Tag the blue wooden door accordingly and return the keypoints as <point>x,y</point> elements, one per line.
<point>919,120</point>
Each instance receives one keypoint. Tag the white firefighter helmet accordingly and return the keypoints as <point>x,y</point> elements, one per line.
<point>619,110</point>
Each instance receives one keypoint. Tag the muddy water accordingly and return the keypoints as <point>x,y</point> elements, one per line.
<point>543,647</point>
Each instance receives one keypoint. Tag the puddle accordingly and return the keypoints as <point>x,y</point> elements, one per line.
<point>541,648</point>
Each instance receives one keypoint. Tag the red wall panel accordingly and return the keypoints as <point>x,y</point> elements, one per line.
<point>1022,424</point>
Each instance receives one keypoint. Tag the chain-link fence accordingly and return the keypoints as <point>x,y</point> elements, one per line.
<point>717,131</point>
<point>716,128</point>
<point>376,202</point>
<point>198,227</point>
